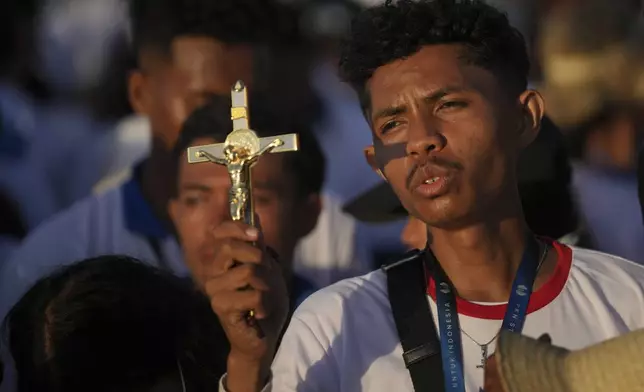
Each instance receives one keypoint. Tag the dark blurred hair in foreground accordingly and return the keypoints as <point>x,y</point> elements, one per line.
<point>114,324</point>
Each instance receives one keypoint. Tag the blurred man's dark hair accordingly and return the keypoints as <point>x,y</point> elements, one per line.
<point>114,324</point>
<point>156,23</point>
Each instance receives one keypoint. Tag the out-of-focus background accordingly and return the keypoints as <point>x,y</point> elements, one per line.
<point>67,129</point>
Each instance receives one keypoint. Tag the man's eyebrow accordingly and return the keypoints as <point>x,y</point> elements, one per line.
<point>433,96</point>
<point>389,112</point>
<point>442,92</point>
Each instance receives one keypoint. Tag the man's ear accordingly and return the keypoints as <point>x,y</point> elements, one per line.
<point>370,156</point>
<point>310,214</point>
<point>138,92</point>
<point>533,111</point>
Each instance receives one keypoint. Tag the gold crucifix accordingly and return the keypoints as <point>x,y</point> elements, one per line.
<point>239,153</point>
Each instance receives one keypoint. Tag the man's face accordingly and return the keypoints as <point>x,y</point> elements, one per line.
<point>202,204</point>
<point>167,90</point>
<point>447,135</point>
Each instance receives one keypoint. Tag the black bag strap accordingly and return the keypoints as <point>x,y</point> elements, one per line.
<point>407,286</point>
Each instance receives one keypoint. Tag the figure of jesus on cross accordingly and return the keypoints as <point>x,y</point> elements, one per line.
<point>239,153</point>
<point>237,160</point>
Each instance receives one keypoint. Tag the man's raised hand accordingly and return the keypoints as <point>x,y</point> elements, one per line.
<point>243,276</point>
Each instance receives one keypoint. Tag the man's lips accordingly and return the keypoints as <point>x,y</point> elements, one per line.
<point>430,181</point>
<point>428,175</point>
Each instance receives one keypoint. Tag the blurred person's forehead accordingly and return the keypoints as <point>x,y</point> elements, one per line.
<point>212,62</point>
<point>201,64</point>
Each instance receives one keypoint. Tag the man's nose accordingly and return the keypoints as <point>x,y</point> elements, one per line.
<point>424,137</point>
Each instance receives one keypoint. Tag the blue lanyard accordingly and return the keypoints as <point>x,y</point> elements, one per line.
<point>515,314</point>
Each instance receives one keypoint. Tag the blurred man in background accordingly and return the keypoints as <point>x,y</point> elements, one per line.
<point>186,53</point>
<point>605,178</point>
<point>287,191</point>
<point>51,114</point>
<point>592,81</point>
<point>23,179</point>
<point>86,57</point>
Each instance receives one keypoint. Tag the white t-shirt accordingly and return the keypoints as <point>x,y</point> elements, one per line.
<point>343,338</point>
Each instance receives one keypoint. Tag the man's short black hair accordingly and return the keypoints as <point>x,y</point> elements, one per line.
<point>156,23</point>
<point>398,29</point>
<point>213,121</point>
<point>111,324</point>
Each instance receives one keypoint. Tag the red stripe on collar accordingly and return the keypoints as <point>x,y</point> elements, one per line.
<point>539,299</point>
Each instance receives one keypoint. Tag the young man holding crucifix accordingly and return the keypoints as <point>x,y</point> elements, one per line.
<point>186,53</point>
<point>443,87</point>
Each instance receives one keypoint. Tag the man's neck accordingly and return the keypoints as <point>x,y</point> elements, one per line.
<point>481,261</point>
<point>157,180</point>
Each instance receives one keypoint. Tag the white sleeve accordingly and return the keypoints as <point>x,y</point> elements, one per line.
<point>304,361</point>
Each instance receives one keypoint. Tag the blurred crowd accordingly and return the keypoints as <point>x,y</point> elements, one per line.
<point>93,125</point>
<point>69,129</point>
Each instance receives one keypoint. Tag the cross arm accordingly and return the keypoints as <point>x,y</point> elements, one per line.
<point>195,154</point>
<point>291,143</point>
